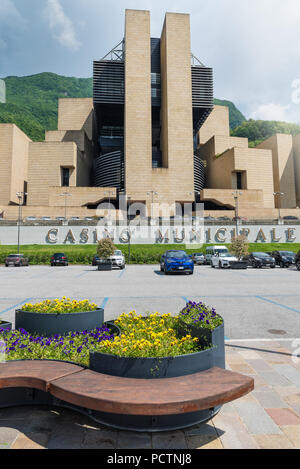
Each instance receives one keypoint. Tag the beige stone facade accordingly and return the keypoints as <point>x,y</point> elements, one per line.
<point>228,159</point>
<point>40,168</point>
<point>283,169</point>
<point>14,146</point>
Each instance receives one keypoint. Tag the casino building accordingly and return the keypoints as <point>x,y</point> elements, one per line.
<point>150,133</point>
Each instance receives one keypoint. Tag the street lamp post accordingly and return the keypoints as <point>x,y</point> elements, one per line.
<point>152,193</point>
<point>280,194</point>
<point>109,193</point>
<point>65,195</point>
<point>129,235</point>
<point>20,196</point>
<point>236,196</point>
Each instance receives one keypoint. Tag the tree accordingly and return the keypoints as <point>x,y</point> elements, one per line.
<point>239,246</point>
<point>105,248</point>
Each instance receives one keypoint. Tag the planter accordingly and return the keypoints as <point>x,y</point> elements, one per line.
<point>206,337</point>
<point>104,264</point>
<point>238,265</point>
<point>7,326</point>
<point>159,368</point>
<point>51,324</point>
<point>151,368</point>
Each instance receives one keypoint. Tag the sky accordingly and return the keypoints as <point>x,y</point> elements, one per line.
<point>252,45</point>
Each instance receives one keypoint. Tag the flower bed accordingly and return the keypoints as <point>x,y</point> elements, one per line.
<point>51,317</point>
<point>75,347</point>
<point>203,322</point>
<point>152,336</point>
<point>161,345</point>
<point>151,347</point>
<point>63,306</point>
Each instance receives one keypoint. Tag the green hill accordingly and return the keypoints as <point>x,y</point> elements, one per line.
<point>258,130</point>
<point>32,103</point>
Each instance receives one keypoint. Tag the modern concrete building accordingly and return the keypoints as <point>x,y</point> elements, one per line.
<point>150,133</point>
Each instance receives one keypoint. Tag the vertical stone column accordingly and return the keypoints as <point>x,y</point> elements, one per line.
<point>176,107</point>
<point>138,134</point>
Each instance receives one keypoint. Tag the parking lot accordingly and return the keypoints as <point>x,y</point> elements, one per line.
<point>255,303</point>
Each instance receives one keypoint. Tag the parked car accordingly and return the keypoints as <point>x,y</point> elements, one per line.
<point>284,258</point>
<point>260,259</point>
<point>16,260</point>
<point>297,260</point>
<point>118,259</point>
<point>198,258</point>
<point>95,260</point>
<point>176,261</point>
<point>213,250</point>
<point>223,260</point>
<point>290,217</point>
<point>59,258</point>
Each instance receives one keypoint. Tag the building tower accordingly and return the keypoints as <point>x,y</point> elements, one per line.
<point>151,96</point>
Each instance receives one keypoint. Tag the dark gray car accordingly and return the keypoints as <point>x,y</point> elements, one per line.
<point>16,260</point>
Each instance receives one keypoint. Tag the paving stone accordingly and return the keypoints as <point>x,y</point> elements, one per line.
<point>293,434</point>
<point>95,438</point>
<point>7,436</point>
<point>255,417</point>
<point>233,433</point>
<point>249,355</point>
<point>284,416</point>
<point>133,440</point>
<point>289,372</point>
<point>273,442</point>
<point>169,440</point>
<point>286,391</point>
<point>66,435</point>
<point>31,441</point>
<point>204,442</point>
<point>274,379</point>
<point>260,365</point>
<point>269,399</point>
<point>244,368</point>
<point>202,429</point>
<point>294,402</point>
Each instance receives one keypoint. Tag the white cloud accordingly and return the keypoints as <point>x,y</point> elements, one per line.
<point>8,10</point>
<point>61,25</point>
<point>271,111</point>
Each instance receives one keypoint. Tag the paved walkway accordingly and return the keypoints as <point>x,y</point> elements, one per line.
<point>267,418</point>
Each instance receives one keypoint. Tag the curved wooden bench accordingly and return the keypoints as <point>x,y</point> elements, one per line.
<point>165,396</point>
<point>91,390</point>
<point>36,374</point>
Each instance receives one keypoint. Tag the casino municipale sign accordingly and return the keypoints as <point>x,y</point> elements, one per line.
<point>189,235</point>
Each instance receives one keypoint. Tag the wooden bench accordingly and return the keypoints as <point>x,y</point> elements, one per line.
<point>87,389</point>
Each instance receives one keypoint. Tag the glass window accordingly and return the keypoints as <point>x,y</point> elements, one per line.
<point>65,177</point>
<point>155,78</point>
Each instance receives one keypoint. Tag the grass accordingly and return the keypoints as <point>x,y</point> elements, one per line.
<point>140,253</point>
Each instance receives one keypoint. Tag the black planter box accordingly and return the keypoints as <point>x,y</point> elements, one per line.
<point>238,265</point>
<point>206,337</point>
<point>105,265</point>
<point>167,367</point>
<point>149,368</point>
<point>7,326</point>
<point>51,324</point>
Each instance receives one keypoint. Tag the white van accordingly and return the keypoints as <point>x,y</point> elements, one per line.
<point>213,250</point>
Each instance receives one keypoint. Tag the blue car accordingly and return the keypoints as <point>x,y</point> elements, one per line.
<point>176,261</point>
